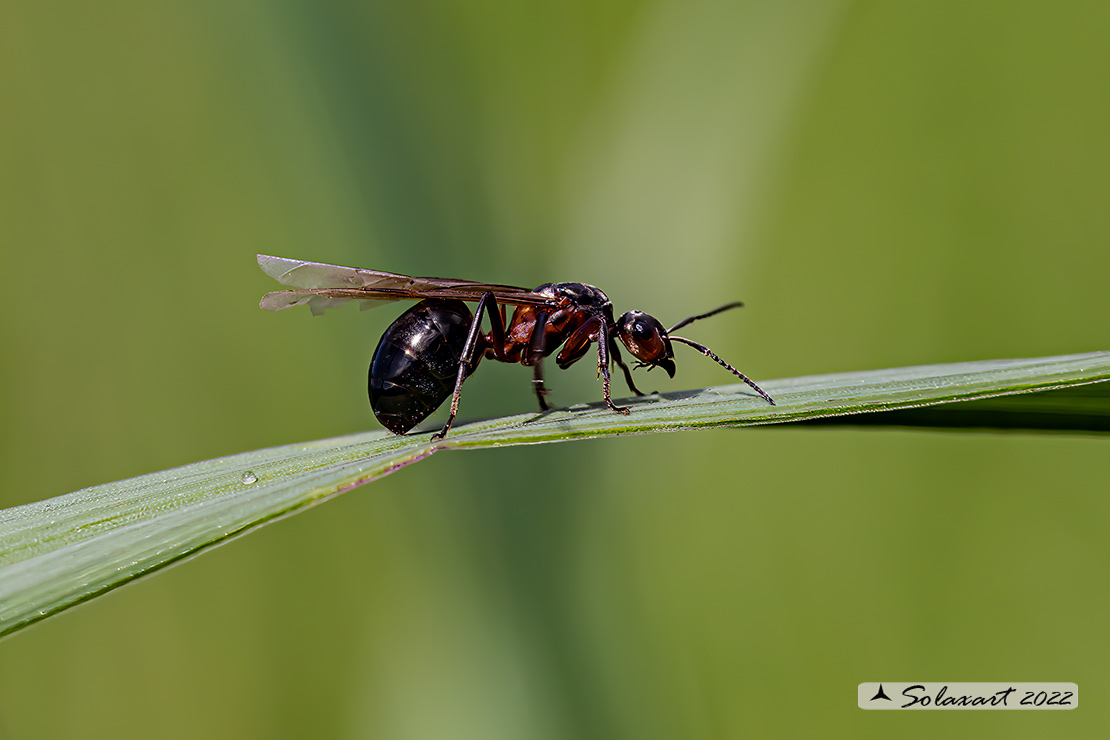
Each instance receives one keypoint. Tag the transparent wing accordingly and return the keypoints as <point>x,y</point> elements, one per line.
<point>321,286</point>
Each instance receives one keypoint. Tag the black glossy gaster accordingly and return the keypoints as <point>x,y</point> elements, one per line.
<point>414,367</point>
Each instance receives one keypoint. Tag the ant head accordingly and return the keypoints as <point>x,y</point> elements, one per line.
<point>650,343</point>
<point>647,340</point>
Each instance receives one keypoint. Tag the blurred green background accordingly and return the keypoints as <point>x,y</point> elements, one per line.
<point>883,184</point>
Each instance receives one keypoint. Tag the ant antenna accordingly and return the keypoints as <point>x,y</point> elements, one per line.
<point>714,312</point>
<point>706,351</point>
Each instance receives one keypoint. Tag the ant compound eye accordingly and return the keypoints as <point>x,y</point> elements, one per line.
<point>641,331</point>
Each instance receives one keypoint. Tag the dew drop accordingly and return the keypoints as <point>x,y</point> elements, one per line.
<point>249,478</point>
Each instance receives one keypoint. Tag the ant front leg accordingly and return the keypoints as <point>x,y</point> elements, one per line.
<point>603,343</point>
<point>470,356</point>
<point>627,373</point>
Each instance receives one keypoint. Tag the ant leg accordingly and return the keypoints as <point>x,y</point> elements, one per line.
<point>603,341</point>
<point>627,373</point>
<point>534,357</point>
<point>467,360</point>
<point>538,386</point>
<point>497,326</point>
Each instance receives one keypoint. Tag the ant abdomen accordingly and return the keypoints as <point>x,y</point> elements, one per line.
<point>417,361</point>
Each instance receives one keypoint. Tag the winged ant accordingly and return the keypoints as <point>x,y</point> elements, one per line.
<point>427,353</point>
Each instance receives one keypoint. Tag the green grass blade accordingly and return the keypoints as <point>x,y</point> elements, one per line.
<point>68,549</point>
<point>836,398</point>
<point>1083,409</point>
<point>60,552</point>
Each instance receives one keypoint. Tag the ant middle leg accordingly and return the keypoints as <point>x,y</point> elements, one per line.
<point>538,386</point>
<point>534,357</point>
